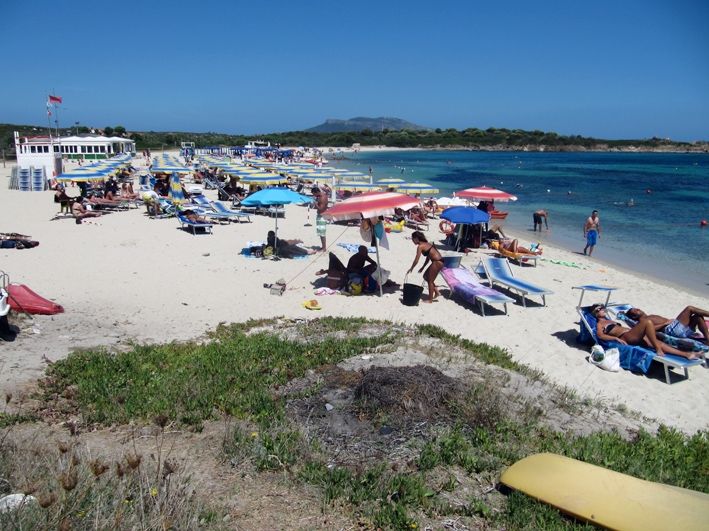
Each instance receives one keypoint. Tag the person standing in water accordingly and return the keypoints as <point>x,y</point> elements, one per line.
<point>537,219</point>
<point>592,232</point>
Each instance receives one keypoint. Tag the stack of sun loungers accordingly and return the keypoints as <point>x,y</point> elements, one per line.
<point>24,180</point>
<point>632,357</point>
<point>39,183</point>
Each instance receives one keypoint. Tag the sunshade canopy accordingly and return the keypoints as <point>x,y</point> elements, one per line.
<point>370,205</point>
<point>485,193</point>
<point>275,196</point>
<point>465,215</point>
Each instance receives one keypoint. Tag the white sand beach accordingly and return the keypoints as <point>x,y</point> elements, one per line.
<point>125,278</point>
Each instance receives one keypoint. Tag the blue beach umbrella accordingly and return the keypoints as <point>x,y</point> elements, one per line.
<point>465,215</point>
<point>275,197</point>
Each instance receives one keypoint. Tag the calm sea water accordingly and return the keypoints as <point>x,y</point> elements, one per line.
<point>660,235</point>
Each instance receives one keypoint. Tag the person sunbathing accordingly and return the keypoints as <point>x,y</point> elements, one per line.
<point>192,216</point>
<point>286,248</point>
<point>80,212</point>
<point>684,325</point>
<point>127,193</point>
<point>514,247</point>
<point>642,334</point>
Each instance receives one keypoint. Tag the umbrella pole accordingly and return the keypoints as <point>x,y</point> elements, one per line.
<point>275,242</point>
<point>379,267</point>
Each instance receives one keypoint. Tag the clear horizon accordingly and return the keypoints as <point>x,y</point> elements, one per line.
<point>628,70</point>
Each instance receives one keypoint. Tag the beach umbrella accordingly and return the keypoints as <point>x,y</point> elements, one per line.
<point>452,201</point>
<point>370,205</point>
<point>83,176</point>
<point>176,194</point>
<point>466,215</point>
<point>391,180</point>
<point>275,197</point>
<point>416,188</point>
<point>262,178</point>
<point>358,187</point>
<point>485,193</point>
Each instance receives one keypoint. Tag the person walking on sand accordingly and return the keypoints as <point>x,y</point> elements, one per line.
<point>592,232</point>
<point>320,221</point>
<point>537,219</point>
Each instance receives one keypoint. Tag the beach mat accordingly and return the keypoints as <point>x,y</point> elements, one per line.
<point>23,299</point>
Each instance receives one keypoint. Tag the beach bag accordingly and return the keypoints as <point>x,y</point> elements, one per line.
<point>412,293</point>
<point>608,360</point>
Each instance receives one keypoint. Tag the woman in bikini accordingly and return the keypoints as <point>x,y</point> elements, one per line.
<point>429,251</point>
<point>642,334</point>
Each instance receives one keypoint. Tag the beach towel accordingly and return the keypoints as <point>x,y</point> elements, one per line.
<point>354,247</point>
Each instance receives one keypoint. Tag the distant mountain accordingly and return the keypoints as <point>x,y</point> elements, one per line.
<point>333,125</point>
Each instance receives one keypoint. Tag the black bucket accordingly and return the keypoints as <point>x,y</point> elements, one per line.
<point>412,294</point>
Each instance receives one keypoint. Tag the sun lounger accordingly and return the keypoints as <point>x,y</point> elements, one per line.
<point>194,225</point>
<point>498,271</point>
<point>467,286</point>
<point>520,258</point>
<point>416,224</point>
<point>223,212</point>
<point>632,357</point>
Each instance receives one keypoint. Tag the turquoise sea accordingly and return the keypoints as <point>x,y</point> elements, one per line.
<point>660,235</point>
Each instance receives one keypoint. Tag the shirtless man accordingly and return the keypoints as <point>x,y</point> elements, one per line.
<point>356,263</point>
<point>537,219</point>
<point>684,325</point>
<point>592,232</point>
<point>320,222</point>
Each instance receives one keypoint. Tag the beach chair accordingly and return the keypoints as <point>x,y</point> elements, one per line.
<point>467,286</point>
<point>221,211</point>
<point>633,358</point>
<point>498,271</point>
<point>202,202</point>
<point>24,180</point>
<point>520,258</point>
<point>194,225</point>
<point>415,224</point>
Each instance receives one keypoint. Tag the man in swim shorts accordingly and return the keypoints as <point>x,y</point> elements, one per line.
<point>685,325</point>
<point>592,232</point>
<point>320,221</point>
<point>537,219</point>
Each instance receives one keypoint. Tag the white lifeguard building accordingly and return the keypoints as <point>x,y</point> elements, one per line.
<point>34,152</point>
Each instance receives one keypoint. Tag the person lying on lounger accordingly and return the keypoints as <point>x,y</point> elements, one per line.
<point>192,216</point>
<point>642,334</point>
<point>684,325</point>
<point>514,247</point>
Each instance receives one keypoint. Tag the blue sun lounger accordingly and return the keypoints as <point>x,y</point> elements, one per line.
<point>222,212</point>
<point>194,225</point>
<point>498,271</point>
<point>467,286</point>
<point>632,357</point>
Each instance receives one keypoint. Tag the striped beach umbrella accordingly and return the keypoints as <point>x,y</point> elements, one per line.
<point>176,194</point>
<point>485,193</point>
<point>416,188</point>
<point>83,176</point>
<point>391,180</point>
<point>358,187</point>
<point>263,178</point>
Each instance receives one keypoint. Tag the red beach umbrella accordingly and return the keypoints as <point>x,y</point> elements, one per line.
<point>485,193</point>
<point>370,205</point>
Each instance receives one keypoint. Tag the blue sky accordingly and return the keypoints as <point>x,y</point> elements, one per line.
<point>613,69</point>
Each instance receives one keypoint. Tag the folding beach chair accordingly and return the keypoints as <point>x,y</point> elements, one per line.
<point>498,271</point>
<point>632,357</point>
<point>223,212</point>
<point>467,286</point>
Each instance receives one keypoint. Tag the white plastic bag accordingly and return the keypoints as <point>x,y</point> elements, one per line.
<point>608,360</point>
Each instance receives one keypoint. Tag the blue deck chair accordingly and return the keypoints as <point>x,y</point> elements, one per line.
<point>465,284</point>
<point>202,202</point>
<point>194,225</point>
<point>223,211</point>
<point>632,357</point>
<point>498,271</point>
<point>24,180</point>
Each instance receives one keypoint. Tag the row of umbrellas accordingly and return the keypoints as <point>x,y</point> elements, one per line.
<point>97,171</point>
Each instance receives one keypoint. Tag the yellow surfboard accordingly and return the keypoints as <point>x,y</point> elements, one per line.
<point>607,498</point>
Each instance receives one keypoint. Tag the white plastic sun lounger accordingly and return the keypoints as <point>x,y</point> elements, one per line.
<point>498,271</point>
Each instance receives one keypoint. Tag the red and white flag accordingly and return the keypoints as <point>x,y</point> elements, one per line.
<point>54,99</point>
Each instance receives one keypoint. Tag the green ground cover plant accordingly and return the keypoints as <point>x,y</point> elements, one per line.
<point>239,371</point>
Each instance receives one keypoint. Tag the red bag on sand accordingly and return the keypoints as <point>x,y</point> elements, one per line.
<point>23,299</point>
